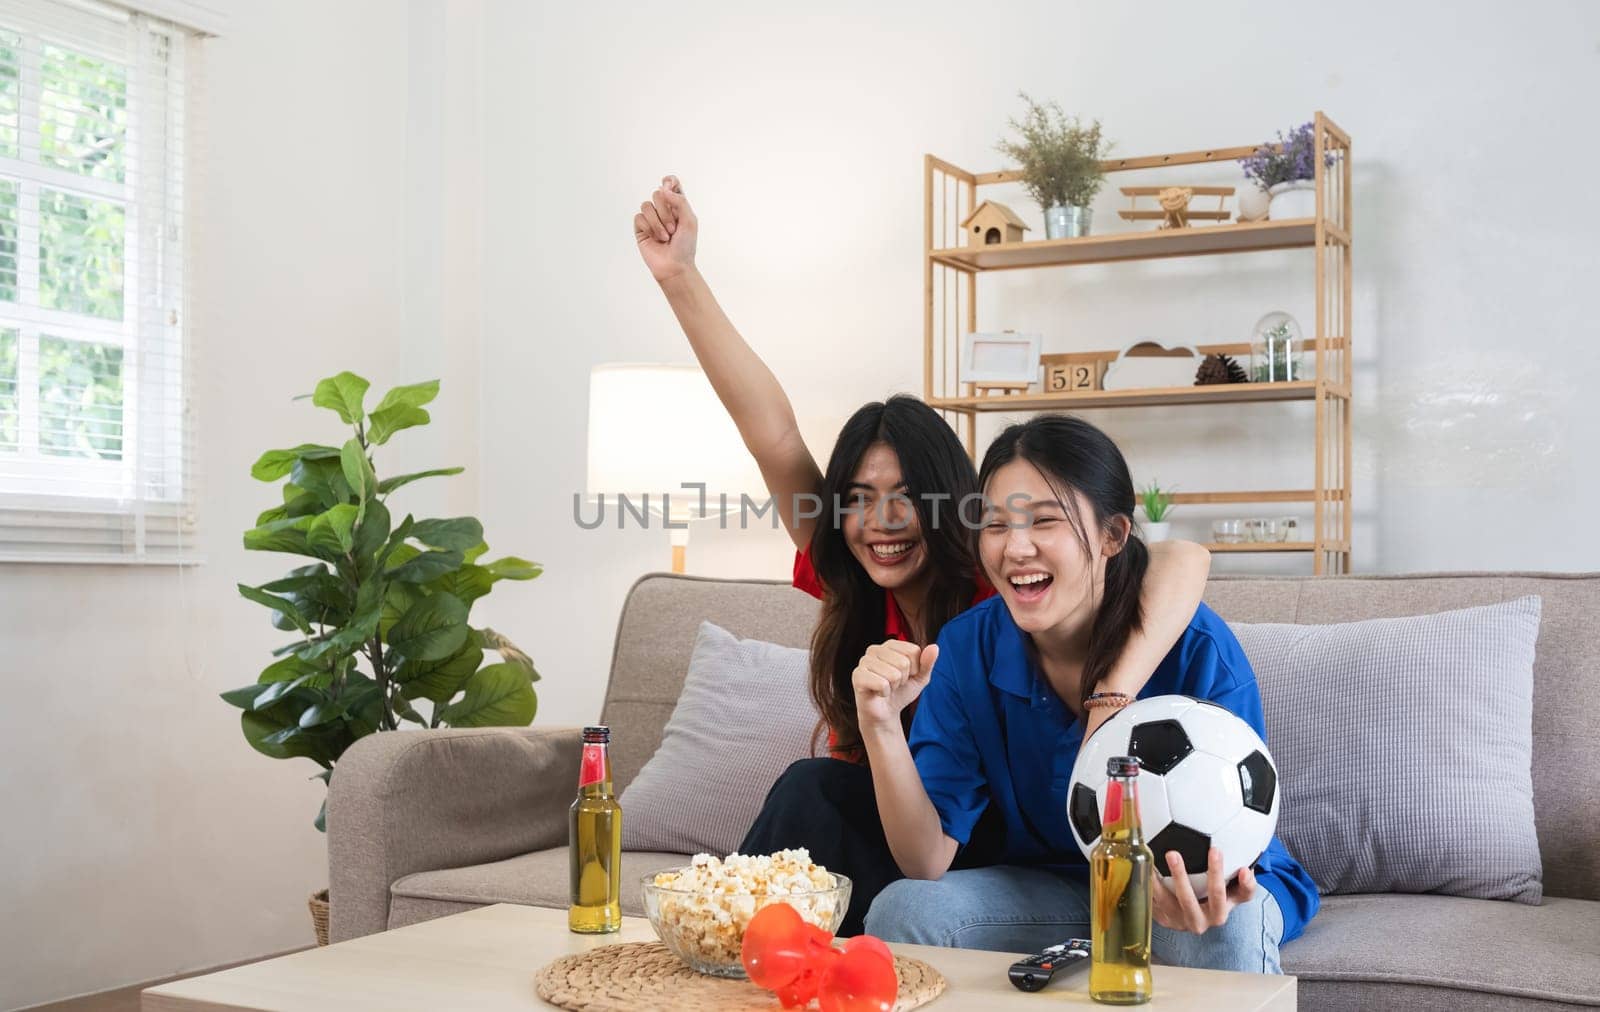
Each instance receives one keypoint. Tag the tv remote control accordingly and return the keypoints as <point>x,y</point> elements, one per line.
<point>1033,973</point>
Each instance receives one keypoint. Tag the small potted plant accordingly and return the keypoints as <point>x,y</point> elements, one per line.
<point>1059,159</point>
<point>1287,171</point>
<point>1157,504</point>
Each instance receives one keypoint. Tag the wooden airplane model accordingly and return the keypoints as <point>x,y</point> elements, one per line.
<point>1174,200</point>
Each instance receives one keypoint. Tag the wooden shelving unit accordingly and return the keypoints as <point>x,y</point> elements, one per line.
<point>952,310</point>
<point>1199,240</point>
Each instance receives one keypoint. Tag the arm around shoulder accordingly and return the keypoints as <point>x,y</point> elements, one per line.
<point>1173,587</point>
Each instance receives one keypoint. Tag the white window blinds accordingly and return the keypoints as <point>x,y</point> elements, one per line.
<point>96,461</point>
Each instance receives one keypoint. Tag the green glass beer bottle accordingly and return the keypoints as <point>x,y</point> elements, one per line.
<point>1120,869</point>
<point>594,834</point>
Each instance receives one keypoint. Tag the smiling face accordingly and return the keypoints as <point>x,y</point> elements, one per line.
<point>882,529</point>
<point>1034,554</point>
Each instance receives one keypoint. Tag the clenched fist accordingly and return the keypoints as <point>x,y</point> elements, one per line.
<point>890,677</point>
<point>665,229</point>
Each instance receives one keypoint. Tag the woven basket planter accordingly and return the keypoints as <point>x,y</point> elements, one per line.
<point>319,915</point>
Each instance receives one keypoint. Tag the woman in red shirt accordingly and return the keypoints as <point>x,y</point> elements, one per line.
<point>899,562</point>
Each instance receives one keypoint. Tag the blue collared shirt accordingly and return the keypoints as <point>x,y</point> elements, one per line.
<point>989,729</point>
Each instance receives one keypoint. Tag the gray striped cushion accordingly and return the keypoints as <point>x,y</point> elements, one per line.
<point>744,716</point>
<point>1405,748</point>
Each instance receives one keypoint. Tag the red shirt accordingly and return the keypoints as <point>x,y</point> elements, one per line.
<point>894,624</point>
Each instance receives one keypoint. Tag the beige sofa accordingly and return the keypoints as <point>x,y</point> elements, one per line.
<point>427,823</point>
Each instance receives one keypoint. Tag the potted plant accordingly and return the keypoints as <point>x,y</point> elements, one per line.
<point>380,615</point>
<point>1060,165</point>
<point>1157,504</point>
<point>1287,171</point>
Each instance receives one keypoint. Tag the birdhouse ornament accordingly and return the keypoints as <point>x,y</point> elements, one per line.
<point>991,223</point>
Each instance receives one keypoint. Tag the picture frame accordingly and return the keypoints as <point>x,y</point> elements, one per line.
<point>1004,359</point>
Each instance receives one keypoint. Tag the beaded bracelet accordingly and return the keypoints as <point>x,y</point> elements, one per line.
<point>1103,700</point>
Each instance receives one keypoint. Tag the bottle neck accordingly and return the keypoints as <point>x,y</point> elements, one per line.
<point>1122,810</point>
<point>594,771</point>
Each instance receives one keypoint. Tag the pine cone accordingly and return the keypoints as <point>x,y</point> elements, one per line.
<point>1219,369</point>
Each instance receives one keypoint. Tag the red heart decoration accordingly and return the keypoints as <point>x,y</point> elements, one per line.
<point>798,992</point>
<point>796,961</point>
<point>818,939</point>
<point>860,981</point>
<point>776,947</point>
<point>870,943</point>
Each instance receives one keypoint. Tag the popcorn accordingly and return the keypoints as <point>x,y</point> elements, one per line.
<point>722,895</point>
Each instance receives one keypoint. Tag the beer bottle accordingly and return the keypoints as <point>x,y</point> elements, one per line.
<point>594,833</point>
<point>1120,869</point>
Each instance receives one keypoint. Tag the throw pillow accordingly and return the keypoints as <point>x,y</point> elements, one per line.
<point>1405,749</point>
<point>745,714</point>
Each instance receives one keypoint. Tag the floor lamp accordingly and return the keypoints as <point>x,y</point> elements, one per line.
<point>655,428</point>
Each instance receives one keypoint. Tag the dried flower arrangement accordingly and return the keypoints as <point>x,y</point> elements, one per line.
<point>1291,158</point>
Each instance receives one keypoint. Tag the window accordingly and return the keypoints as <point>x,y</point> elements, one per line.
<point>95,451</point>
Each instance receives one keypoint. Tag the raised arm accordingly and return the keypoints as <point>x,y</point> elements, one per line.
<point>1173,586</point>
<point>666,229</point>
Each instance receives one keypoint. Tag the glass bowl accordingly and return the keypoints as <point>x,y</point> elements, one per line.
<point>1227,532</point>
<point>1262,529</point>
<point>706,930</point>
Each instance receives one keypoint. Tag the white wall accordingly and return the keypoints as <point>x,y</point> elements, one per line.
<point>142,837</point>
<point>800,134</point>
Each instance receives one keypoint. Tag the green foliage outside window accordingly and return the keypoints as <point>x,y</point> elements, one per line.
<point>8,240</point>
<point>80,254</point>
<point>8,390</point>
<point>81,128</point>
<point>80,399</point>
<point>10,92</point>
<point>83,117</point>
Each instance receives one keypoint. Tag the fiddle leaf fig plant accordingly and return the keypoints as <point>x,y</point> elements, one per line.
<point>381,615</point>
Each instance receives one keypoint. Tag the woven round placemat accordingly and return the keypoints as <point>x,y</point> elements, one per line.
<point>647,977</point>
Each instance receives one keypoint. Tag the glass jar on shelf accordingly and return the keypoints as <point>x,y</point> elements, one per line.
<point>1227,532</point>
<point>1262,529</point>
<point>1277,350</point>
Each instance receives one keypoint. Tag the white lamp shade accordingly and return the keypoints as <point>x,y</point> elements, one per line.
<point>653,428</point>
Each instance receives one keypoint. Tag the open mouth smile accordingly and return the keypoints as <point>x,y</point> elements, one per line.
<point>1030,587</point>
<point>892,553</point>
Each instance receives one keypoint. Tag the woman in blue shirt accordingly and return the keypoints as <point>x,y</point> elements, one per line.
<point>1000,721</point>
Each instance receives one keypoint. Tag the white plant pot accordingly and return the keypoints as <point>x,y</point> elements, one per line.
<point>1252,202</point>
<point>1294,199</point>
<point>1157,532</point>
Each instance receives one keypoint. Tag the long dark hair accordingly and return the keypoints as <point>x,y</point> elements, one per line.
<point>933,461</point>
<point>1074,456</point>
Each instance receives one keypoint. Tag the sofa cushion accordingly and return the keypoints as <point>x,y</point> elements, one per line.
<point>1566,691</point>
<point>655,636</point>
<point>1405,748</point>
<point>745,714</point>
<point>540,879</point>
<point>1439,949</point>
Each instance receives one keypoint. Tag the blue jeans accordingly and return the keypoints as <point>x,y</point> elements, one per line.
<point>1006,908</point>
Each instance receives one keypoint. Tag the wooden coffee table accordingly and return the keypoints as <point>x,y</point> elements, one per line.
<point>487,958</point>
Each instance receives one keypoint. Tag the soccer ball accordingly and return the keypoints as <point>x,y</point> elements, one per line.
<point>1206,780</point>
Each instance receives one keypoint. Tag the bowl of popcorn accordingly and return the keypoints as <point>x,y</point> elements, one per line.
<point>700,911</point>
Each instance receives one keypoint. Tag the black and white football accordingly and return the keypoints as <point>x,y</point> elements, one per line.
<point>1206,780</point>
